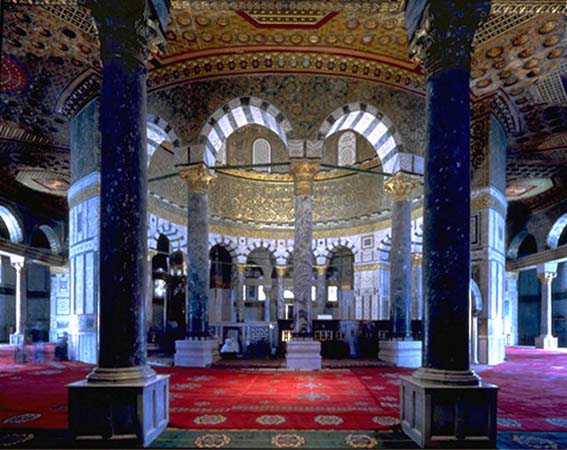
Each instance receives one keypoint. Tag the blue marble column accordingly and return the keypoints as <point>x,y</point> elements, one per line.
<point>123,192</point>
<point>400,187</point>
<point>444,402</point>
<point>444,43</point>
<point>198,178</point>
<point>303,172</point>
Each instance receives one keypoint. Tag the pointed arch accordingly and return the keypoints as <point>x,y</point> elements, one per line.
<point>556,231</point>
<point>52,238</point>
<point>158,131</point>
<point>234,115</point>
<point>378,130</point>
<point>15,229</point>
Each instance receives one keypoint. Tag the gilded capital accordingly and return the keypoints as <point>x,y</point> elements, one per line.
<point>240,268</point>
<point>416,259</point>
<point>401,185</point>
<point>281,271</point>
<point>321,270</point>
<point>303,172</point>
<point>198,177</point>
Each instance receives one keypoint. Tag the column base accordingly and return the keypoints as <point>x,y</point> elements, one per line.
<point>127,414</point>
<point>303,354</point>
<point>196,352</point>
<point>401,353</point>
<point>442,415</point>
<point>17,339</point>
<point>546,342</point>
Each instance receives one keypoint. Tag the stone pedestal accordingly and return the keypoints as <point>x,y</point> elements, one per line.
<point>17,339</point>
<point>401,353</point>
<point>196,352</point>
<point>546,342</point>
<point>126,413</point>
<point>434,414</point>
<point>303,354</point>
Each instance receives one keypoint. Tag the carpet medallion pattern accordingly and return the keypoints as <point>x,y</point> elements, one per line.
<point>532,397</point>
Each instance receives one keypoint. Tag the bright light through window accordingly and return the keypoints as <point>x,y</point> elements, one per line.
<point>332,294</point>
<point>261,293</point>
<point>313,293</point>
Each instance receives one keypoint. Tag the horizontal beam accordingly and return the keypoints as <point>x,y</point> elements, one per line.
<point>558,254</point>
<point>34,254</point>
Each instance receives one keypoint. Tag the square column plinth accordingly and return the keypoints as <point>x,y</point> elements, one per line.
<point>401,353</point>
<point>303,354</point>
<point>438,415</point>
<point>132,414</point>
<point>196,352</point>
<point>546,342</point>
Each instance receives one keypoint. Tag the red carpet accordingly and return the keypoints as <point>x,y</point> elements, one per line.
<point>533,390</point>
<point>533,396</point>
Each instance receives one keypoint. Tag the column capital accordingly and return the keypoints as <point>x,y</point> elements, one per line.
<point>124,29</point>
<point>303,172</point>
<point>416,259</point>
<point>240,268</point>
<point>401,185</point>
<point>441,32</point>
<point>198,177</point>
<point>546,277</point>
<point>281,271</point>
<point>17,262</point>
<point>320,269</point>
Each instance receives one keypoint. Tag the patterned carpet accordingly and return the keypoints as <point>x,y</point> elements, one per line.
<point>244,408</point>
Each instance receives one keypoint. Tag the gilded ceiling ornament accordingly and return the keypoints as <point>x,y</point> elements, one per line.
<point>198,177</point>
<point>303,172</point>
<point>401,185</point>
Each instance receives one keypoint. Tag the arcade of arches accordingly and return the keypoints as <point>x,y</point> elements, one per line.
<point>370,183</point>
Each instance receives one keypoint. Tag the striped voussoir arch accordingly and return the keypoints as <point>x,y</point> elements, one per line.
<point>378,130</point>
<point>158,130</point>
<point>236,114</point>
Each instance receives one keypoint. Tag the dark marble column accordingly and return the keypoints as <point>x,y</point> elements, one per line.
<point>400,186</point>
<point>123,190</point>
<point>444,403</point>
<point>444,44</point>
<point>279,288</point>
<point>198,178</point>
<point>303,172</point>
<point>240,279</point>
<point>321,288</point>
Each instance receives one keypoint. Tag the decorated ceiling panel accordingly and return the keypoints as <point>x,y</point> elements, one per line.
<point>51,66</point>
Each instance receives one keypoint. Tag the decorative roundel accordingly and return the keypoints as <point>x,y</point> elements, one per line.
<point>15,78</point>
<point>44,181</point>
<point>212,441</point>
<point>15,439</point>
<point>328,420</point>
<point>386,420</point>
<point>22,418</point>
<point>270,420</point>
<point>210,419</point>
<point>288,440</point>
<point>360,441</point>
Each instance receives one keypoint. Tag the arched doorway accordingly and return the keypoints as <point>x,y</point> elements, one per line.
<point>221,306</point>
<point>529,296</point>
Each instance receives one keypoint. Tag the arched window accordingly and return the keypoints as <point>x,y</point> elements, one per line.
<point>346,149</point>
<point>261,154</point>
